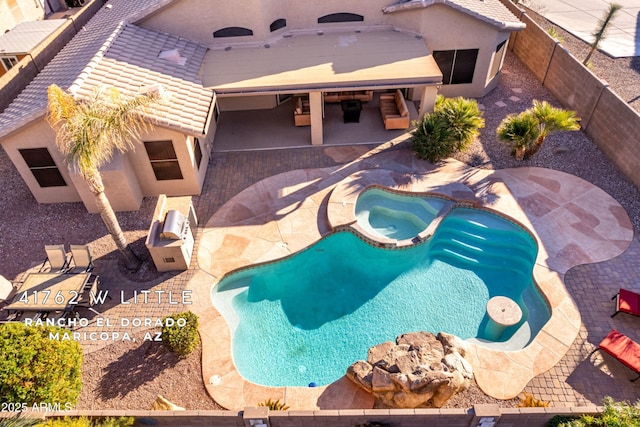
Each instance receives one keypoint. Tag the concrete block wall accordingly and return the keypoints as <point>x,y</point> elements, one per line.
<point>609,121</point>
<point>18,77</point>
<point>452,417</point>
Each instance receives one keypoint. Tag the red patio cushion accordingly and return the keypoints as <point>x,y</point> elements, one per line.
<point>622,348</point>
<point>629,302</point>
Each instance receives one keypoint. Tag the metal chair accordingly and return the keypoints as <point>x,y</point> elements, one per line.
<point>81,258</point>
<point>57,259</point>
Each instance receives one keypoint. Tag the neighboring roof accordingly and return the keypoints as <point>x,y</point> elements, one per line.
<point>132,62</point>
<point>493,12</point>
<point>76,62</point>
<point>24,37</point>
<point>322,62</point>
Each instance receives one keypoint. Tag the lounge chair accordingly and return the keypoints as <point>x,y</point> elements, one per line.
<point>627,302</point>
<point>623,349</point>
<point>81,258</point>
<point>57,259</point>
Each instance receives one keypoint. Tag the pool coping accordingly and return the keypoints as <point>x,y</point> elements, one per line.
<point>573,221</point>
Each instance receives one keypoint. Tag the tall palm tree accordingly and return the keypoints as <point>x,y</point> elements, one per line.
<point>88,130</point>
<point>600,32</point>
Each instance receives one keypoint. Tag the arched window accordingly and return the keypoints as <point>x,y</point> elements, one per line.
<point>340,17</point>
<point>277,24</point>
<point>233,32</point>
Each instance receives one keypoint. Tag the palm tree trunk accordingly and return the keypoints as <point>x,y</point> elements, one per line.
<point>520,153</point>
<point>111,222</point>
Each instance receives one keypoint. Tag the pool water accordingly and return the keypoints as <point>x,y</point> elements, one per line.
<point>397,216</point>
<point>306,318</point>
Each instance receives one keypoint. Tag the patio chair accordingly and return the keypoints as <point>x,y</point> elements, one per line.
<point>57,259</point>
<point>627,302</point>
<point>623,349</point>
<point>81,258</point>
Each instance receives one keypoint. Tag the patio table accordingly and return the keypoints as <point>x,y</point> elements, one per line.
<point>49,292</point>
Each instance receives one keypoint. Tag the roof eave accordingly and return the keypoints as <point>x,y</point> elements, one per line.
<point>421,4</point>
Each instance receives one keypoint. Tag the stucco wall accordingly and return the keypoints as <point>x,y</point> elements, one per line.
<point>238,103</point>
<point>183,146</point>
<point>39,135</point>
<point>198,19</point>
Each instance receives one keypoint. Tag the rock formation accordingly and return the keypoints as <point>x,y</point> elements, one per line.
<point>419,370</point>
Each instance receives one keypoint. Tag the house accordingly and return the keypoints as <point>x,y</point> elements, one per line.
<point>246,55</point>
<point>13,12</point>
<point>22,39</point>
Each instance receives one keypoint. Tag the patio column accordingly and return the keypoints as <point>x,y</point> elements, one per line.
<point>427,100</point>
<point>315,105</point>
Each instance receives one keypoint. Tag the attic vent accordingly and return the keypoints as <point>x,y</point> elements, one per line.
<point>173,55</point>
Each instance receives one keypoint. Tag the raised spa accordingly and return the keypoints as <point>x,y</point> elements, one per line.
<point>304,319</point>
<point>396,216</point>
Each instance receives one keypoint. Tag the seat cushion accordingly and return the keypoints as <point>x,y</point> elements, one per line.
<point>622,348</point>
<point>629,302</point>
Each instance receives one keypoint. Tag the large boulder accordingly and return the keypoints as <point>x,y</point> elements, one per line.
<point>419,370</point>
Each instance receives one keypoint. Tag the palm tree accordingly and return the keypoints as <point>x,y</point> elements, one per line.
<point>551,119</point>
<point>599,33</point>
<point>521,131</point>
<point>527,130</point>
<point>88,130</point>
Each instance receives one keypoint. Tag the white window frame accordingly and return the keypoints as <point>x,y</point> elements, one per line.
<point>8,62</point>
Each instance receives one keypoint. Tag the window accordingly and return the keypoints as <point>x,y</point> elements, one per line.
<point>163,160</point>
<point>457,66</point>
<point>277,24</point>
<point>497,59</point>
<point>42,167</point>
<point>8,62</point>
<point>340,17</point>
<point>197,152</point>
<point>233,32</point>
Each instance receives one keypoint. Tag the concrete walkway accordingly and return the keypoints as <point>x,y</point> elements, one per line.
<point>575,223</point>
<point>581,17</point>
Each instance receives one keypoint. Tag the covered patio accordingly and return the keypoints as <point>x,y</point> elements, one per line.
<point>310,64</point>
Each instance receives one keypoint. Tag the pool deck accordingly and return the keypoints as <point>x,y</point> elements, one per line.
<point>575,223</point>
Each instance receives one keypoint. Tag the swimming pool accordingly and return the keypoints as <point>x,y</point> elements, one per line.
<point>307,317</point>
<point>394,215</point>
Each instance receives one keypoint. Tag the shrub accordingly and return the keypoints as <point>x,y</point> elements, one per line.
<point>614,414</point>
<point>451,127</point>
<point>528,401</point>
<point>35,369</point>
<point>87,422</point>
<point>181,340</point>
<point>19,421</point>
<point>274,405</point>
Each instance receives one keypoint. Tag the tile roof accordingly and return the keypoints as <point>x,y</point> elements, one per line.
<point>25,36</point>
<point>493,12</point>
<point>75,64</point>
<point>132,62</point>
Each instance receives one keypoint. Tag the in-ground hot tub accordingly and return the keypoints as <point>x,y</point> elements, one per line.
<point>396,215</point>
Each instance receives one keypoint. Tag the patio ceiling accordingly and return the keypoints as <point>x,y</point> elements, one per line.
<point>305,62</point>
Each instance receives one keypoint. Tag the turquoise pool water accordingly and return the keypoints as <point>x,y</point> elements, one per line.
<point>397,216</point>
<point>306,318</point>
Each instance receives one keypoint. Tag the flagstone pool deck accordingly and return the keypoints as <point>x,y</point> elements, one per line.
<point>575,223</point>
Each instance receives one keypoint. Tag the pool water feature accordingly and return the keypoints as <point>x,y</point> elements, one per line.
<point>307,317</point>
<point>394,215</point>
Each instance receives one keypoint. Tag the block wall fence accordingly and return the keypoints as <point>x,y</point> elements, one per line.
<point>612,125</point>
<point>607,119</point>
<point>478,416</point>
<point>18,77</point>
